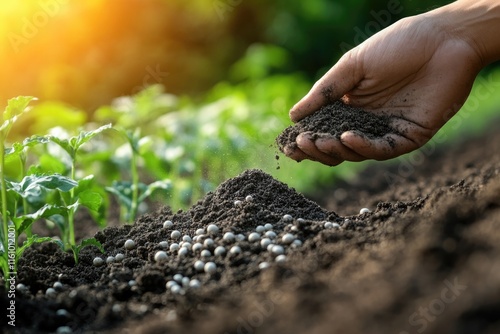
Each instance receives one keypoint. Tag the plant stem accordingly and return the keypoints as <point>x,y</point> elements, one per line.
<point>28,231</point>
<point>71,216</point>
<point>135,188</point>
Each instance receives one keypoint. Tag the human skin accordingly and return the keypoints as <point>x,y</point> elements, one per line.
<point>419,71</point>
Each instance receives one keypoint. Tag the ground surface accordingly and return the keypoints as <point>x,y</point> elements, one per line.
<point>425,259</point>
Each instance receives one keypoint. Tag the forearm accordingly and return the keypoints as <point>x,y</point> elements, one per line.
<point>475,21</point>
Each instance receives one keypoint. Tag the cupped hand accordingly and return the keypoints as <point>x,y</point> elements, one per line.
<point>413,71</point>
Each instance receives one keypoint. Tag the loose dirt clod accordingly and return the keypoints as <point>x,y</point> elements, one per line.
<point>334,119</point>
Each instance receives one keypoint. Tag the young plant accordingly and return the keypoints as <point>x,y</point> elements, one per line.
<point>131,194</point>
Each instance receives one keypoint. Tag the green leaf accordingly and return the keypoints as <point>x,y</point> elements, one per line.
<point>17,106</point>
<point>163,184</point>
<point>90,199</point>
<point>30,185</point>
<point>35,239</point>
<point>85,136</point>
<point>122,192</point>
<point>91,242</point>
<point>24,221</point>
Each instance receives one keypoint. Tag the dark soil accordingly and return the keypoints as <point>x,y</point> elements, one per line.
<point>425,259</point>
<point>335,119</point>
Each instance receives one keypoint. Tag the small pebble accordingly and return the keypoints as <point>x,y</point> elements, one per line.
<point>219,251</point>
<point>129,244</point>
<point>97,262</point>
<point>212,229</point>
<point>278,249</point>
<point>199,265</point>
<point>119,257</point>
<point>175,234</point>
<point>161,256</point>
<point>288,238</point>
<point>228,236</point>
<point>110,259</point>
<point>254,236</point>
<point>200,231</point>
<point>268,226</point>
<point>249,198</point>
<point>168,224</point>
<point>210,268</point>
<point>235,250</point>
<point>364,210</point>
<point>174,247</point>
<point>287,218</point>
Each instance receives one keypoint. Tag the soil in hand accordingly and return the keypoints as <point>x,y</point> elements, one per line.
<point>335,119</point>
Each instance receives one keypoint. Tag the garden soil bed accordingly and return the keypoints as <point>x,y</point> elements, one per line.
<point>425,259</point>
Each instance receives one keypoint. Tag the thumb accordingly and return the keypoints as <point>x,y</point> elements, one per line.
<point>338,81</point>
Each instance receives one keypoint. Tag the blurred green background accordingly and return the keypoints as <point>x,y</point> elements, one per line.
<point>207,82</point>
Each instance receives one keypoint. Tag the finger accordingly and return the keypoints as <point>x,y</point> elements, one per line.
<point>412,131</point>
<point>334,147</point>
<point>339,80</point>
<point>389,146</point>
<point>295,153</point>
<point>306,143</point>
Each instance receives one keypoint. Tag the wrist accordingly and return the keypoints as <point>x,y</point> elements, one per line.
<point>476,22</point>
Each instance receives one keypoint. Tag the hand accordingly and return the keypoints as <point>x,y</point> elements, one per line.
<point>414,71</point>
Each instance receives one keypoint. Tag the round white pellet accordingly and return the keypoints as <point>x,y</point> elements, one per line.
<point>197,247</point>
<point>194,283</point>
<point>254,236</point>
<point>265,242</point>
<point>270,234</point>
<point>210,268</point>
<point>168,224</point>
<point>328,225</point>
<point>116,308</point>
<point>237,203</point>
<point>260,229</point>
<point>228,236</point>
<point>175,234</point>
<point>364,210</point>
<point>294,228</point>
<point>183,252</point>
<point>186,238</point>
<point>300,220</point>
<point>178,278</point>
<point>62,312</point>
<point>186,245</point>
<point>335,226</point>
<point>263,265</point>
<point>235,250</point>
<point>208,243</point>
<point>110,259</point>
<point>287,238</point>
<point>21,287</point>
<point>170,284</point>
<point>50,292</point>
<point>160,256</point>
<point>212,229</point>
<point>64,330</point>
<point>185,281</point>
<point>249,198</point>
<point>199,231</point>
<point>119,257</point>
<point>268,226</point>
<point>129,244</point>
<point>280,258</point>
<point>174,247</point>
<point>132,282</point>
<point>97,262</point>
<point>199,265</point>
<point>176,289</point>
<point>287,218</point>
<point>297,243</point>
<point>57,286</point>
<point>270,247</point>
<point>240,237</point>
<point>219,251</point>
<point>205,253</point>
<point>278,249</point>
